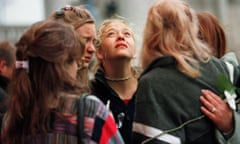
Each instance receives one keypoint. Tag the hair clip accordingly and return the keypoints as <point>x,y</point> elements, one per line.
<point>22,64</point>
<point>59,12</point>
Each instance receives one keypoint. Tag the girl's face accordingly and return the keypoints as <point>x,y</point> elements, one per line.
<point>117,42</point>
<point>88,33</point>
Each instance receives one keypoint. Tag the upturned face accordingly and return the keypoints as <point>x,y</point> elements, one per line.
<point>117,42</point>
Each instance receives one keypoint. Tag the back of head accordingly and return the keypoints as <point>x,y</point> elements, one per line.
<point>48,41</point>
<point>43,52</point>
<point>211,31</point>
<point>73,15</point>
<point>171,30</point>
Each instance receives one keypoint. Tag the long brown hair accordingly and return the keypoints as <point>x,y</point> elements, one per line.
<point>212,32</point>
<point>48,47</point>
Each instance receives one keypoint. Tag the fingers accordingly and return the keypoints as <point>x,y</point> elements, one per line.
<point>209,114</point>
<point>212,97</point>
<point>208,100</point>
<point>207,107</point>
<point>217,110</point>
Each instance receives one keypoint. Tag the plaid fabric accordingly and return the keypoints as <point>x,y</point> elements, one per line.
<point>99,125</point>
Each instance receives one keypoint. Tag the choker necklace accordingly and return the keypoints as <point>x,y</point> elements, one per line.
<point>118,79</point>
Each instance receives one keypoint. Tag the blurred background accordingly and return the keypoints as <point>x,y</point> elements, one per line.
<point>17,15</point>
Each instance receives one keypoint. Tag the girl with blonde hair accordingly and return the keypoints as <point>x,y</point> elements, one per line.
<point>177,66</point>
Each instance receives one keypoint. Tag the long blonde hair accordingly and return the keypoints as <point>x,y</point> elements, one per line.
<point>172,30</point>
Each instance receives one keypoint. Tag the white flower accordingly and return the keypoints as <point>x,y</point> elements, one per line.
<point>230,98</point>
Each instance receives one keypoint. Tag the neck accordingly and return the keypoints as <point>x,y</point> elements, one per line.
<point>124,88</point>
<point>118,72</point>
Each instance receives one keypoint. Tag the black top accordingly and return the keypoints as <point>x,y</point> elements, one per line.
<point>123,113</point>
<point>3,96</point>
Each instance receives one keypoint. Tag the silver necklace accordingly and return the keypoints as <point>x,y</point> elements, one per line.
<point>118,79</point>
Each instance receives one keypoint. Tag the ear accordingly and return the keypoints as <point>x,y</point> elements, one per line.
<point>2,65</point>
<point>99,53</point>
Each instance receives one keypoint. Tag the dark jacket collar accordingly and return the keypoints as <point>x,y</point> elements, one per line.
<point>160,62</point>
<point>4,82</point>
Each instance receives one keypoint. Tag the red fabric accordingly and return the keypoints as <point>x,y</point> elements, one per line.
<point>126,101</point>
<point>109,129</point>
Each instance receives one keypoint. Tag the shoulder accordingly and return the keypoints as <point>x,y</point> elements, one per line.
<point>95,107</point>
<point>98,84</point>
<point>230,57</point>
<point>93,99</point>
<point>214,65</point>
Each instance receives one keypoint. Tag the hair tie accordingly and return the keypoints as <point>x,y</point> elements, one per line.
<point>22,64</point>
